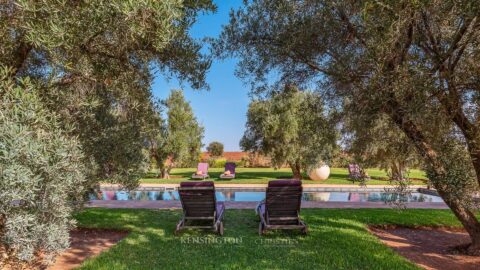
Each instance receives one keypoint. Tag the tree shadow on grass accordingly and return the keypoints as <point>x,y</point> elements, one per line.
<point>330,244</point>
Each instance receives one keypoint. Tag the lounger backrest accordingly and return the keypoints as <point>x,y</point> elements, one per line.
<point>230,166</point>
<point>283,200</point>
<point>203,167</point>
<point>198,198</point>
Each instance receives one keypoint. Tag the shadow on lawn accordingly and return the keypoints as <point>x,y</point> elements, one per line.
<point>331,244</point>
<point>249,175</point>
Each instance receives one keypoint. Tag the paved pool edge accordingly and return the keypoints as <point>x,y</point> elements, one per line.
<point>246,186</point>
<point>251,205</point>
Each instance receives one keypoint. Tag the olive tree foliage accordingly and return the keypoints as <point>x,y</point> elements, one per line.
<point>215,149</point>
<point>42,174</point>
<point>414,62</point>
<point>94,62</point>
<point>291,127</point>
<point>377,142</point>
<point>78,74</point>
<point>180,141</point>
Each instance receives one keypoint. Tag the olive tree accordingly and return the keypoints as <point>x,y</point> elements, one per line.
<point>415,62</point>
<point>42,174</point>
<point>377,142</point>
<point>94,62</point>
<point>180,142</point>
<point>91,66</point>
<point>291,127</point>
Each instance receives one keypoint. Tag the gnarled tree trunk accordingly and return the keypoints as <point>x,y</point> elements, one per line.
<point>397,170</point>
<point>296,170</point>
<point>461,211</point>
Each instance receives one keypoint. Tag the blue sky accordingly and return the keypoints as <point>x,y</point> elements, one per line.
<point>221,110</point>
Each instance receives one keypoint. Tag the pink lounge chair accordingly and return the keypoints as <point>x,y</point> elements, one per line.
<point>229,166</point>
<point>201,167</point>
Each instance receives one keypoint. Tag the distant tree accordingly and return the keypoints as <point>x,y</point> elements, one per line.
<point>414,62</point>
<point>215,149</point>
<point>291,127</point>
<point>179,142</point>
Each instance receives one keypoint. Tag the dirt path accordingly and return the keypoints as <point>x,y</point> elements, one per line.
<point>86,243</point>
<point>429,248</point>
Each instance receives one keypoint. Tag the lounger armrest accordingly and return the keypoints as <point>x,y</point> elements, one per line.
<point>261,209</point>
<point>220,209</point>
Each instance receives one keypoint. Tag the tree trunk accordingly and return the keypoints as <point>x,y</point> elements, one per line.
<point>464,215</point>
<point>168,169</point>
<point>296,170</point>
<point>163,173</point>
<point>467,218</point>
<point>453,107</point>
<point>397,169</point>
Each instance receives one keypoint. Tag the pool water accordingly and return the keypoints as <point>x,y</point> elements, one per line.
<point>255,196</point>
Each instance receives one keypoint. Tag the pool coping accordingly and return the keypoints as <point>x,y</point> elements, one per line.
<point>309,187</point>
<point>252,205</point>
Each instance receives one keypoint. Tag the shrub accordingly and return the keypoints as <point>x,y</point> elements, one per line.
<point>42,174</point>
<point>216,162</point>
<point>242,163</point>
<point>220,163</point>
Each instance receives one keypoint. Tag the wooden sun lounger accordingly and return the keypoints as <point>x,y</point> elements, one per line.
<point>230,166</point>
<point>200,208</point>
<point>204,168</point>
<point>281,207</point>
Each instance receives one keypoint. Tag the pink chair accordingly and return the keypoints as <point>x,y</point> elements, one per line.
<point>203,167</point>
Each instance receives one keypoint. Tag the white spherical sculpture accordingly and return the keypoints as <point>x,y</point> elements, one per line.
<point>320,173</point>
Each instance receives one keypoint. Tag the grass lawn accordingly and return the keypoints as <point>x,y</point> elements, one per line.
<point>263,175</point>
<point>337,239</point>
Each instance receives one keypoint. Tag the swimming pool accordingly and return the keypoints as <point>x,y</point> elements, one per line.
<point>255,196</point>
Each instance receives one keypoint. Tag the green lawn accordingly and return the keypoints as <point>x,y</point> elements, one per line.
<point>263,175</point>
<point>338,239</point>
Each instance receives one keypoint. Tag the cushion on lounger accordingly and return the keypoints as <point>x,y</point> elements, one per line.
<point>199,173</point>
<point>227,172</point>
<point>283,183</point>
<point>197,184</point>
